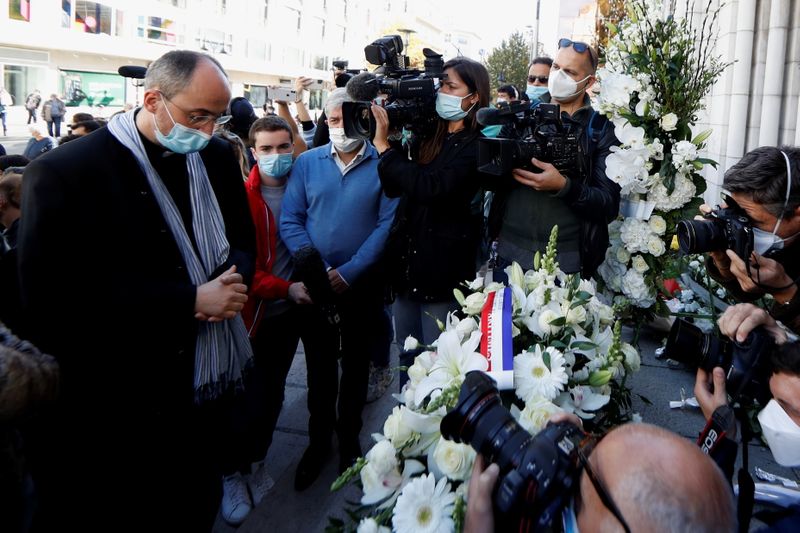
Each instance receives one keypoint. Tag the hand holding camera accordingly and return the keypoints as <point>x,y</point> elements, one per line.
<point>549,179</point>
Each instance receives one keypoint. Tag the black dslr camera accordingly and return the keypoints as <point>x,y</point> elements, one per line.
<point>537,132</point>
<point>726,228</point>
<point>537,473</point>
<point>410,93</point>
<point>745,363</point>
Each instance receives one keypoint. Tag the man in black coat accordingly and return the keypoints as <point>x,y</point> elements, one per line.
<point>107,276</point>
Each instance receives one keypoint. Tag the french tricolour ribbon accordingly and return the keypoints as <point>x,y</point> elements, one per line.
<point>496,340</point>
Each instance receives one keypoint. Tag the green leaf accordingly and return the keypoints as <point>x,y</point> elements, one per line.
<point>560,321</point>
<point>700,137</point>
<point>583,345</point>
<point>707,161</point>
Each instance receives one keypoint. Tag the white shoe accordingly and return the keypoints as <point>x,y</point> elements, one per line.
<point>259,482</point>
<point>236,504</point>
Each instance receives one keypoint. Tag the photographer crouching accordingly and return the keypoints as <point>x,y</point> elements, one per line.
<point>569,187</point>
<point>751,240</point>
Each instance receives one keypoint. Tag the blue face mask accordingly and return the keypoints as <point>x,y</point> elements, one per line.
<point>180,139</point>
<point>449,107</point>
<point>275,165</point>
<point>535,93</point>
<point>492,131</point>
<point>568,518</point>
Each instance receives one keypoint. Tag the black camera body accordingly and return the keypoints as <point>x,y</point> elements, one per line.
<point>537,473</point>
<point>725,228</point>
<point>410,93</point>
<point>538,132</point>
<point>745,363</point>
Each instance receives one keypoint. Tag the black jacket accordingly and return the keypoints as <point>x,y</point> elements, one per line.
<point>593,197</point>
<point>434,242</point>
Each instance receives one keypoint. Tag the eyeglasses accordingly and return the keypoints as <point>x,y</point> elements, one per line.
<point>540,79</point>
<point>599,486</point>
<point>200,120</point>
<point>579,47</point>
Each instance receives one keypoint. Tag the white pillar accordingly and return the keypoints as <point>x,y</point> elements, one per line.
<point>740,90</point>
<point>797,127</point>
<point>773,75</point>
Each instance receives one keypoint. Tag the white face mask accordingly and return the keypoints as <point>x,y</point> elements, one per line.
<point>562,87</point>
<point>765,242</point>
<point>342,142</point>
<point>781,433</point>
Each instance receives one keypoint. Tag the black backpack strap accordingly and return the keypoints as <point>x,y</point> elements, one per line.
<point>596,129</point>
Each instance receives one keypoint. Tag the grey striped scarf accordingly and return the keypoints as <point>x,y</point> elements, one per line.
<point>222,349</point>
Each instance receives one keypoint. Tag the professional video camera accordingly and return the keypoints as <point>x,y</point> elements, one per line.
<point>723,228</point>
<point>341,64</point>
<point>410,93</point>
<point>745,363</point>
<point>538,132</point>
<point>537,473</point>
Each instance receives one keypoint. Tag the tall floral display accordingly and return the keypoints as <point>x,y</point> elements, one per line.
<point>557,348</point>
<point>658,69</point>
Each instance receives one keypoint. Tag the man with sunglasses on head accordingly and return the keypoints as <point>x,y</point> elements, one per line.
<point>583,203</point>
<point>670,486</point>
<point>765,186</point>
<point>134,254</point>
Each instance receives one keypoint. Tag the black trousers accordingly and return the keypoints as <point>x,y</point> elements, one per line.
<point>362,319</point>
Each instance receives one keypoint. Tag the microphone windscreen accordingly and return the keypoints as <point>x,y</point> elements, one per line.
<point>132,71</point>
<point>489,116</point>
<point>363,87</point>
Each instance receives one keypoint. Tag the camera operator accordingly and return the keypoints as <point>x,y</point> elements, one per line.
<point>737,323</point>
<point>436,234</point>
<point>764,184</point>
<point>672,487</point>
<point>582,203</point>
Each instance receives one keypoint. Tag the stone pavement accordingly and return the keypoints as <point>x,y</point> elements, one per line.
<point>285,510</point>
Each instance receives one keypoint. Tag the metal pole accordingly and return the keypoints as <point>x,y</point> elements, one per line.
<point>535,36</point>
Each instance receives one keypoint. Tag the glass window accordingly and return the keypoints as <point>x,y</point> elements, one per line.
<point>92,17</point>
<point>256,49</point>
<point>66,13</point>
<point>215,41</point>
<point>160,29</point>
<point>19,10</point>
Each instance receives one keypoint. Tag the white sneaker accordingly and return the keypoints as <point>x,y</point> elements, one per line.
<point>236,504</point>
<point>259,482</point>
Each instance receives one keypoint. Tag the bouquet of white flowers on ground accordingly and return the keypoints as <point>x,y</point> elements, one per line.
<point>658,70</point>
<point>566,354</point>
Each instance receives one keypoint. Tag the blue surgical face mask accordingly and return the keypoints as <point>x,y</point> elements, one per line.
<point>180,139</point>
<point>448,106</point>
<point>569,520</point>
<point>492,131</point>
<point>535,92</point>
<point>275,165</point>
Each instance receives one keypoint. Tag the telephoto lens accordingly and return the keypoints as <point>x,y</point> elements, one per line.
<point>537,473</point>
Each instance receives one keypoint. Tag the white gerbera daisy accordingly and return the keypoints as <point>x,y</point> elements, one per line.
<point>532,377</point>
<point>425,506</point>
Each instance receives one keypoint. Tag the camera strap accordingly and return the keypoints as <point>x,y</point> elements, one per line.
<point>747,488</point>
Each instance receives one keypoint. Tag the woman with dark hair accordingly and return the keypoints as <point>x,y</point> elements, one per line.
<point>434,242</point>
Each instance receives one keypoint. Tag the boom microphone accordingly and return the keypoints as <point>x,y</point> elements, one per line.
<point>362,87</point>
<point>132,71</point>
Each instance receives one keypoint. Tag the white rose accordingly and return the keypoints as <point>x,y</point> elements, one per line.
<point>669,122</point>
<point>382,457</point>
<point>395,429</point>
<point>632,359</point>
<point>657,224</point>
<point>576,315</point>
<point>536,413</point>
<point>656,246</point>
<point>622,255</point>
<point>545,317</point>
<point>639,264</point>
<point>453,459</point>
<point>473,304</point>
<point>410,344</point>
<point>369,525</point>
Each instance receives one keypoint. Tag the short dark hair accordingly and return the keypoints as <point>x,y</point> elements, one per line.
<point>541,60</point>
<point>786,359</point>
<point>80,117</point>
<point>762,173</point>
<point>11,188</point>
<point>270,123</point>
<point>68,138</point>
<point>13,160</point>
<point>89,125</point>
<point>509,89</point>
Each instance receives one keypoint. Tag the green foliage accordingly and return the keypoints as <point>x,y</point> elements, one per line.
<point>510,62</point>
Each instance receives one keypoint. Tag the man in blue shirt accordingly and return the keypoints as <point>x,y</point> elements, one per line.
<point>334,203</point>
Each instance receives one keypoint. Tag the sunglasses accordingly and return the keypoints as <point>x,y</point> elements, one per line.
<point>580,47</point>
<point>584,451</point>
<point>541,79</point>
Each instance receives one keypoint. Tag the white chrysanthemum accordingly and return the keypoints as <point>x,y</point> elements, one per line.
<point>452,459</point>
<point>637,290</point>
<point>532,377</point>
<point>639,264</point>
<point>369,525</point>
<point>424,506</point>
<point>657,224</point>
<point>536,413</point>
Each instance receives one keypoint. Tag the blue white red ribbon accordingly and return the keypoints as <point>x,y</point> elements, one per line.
<point>496,338</point>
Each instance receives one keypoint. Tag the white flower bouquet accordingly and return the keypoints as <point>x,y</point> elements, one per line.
<point>657,72</point>
<point>567,356</point>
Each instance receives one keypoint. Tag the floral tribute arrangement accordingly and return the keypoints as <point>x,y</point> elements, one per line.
<point>658,70</point>
<point>567,356</point>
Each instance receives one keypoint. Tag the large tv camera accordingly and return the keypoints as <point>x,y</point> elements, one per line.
<point>745,363</point>
<point>537,132</point>
<point>725,228</point>
<point>537,472</point>
<point>410,93</point>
